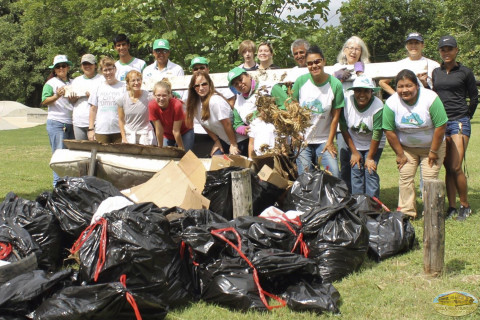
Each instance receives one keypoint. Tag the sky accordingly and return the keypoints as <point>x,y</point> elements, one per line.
<point>333,17</point>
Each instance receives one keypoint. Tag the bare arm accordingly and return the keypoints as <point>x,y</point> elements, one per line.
<point>356,158</point>
<point>227,126</point>
<point>177,125</point>
<point>437,140</point>
<point>370,164</point>
<point>158,132</point>
<point>329,146</point>
<point>216,142</point>
<point>397,147</point>
<point>121,124</point>
<point>250,147</point>
<point>385,85</point>
<point>91,120</point>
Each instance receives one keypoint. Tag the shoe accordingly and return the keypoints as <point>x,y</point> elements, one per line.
<point>463,213</point>
<point>450,213</point>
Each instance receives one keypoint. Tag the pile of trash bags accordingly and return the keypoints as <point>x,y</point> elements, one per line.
<point>139,260</point>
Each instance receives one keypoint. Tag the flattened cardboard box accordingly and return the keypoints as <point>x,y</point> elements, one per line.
<point>172,186</point>
<point>224,161</point>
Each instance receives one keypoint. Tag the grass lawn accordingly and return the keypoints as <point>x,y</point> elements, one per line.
<point>393,289</point>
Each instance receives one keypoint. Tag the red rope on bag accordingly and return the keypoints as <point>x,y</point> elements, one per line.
<point>286,221</point>
<point>103,244</point>
<point>183,246</point>
<point>130,299</point>
<point>5,250</point>
<point>262,293</point>
<point>381,203</point>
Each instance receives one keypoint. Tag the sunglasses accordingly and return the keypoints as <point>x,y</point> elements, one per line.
<point>161,50</point>
<point>61,66</point>
<point>203,84</point>
<point>316,61</point>
<point>199,68</point>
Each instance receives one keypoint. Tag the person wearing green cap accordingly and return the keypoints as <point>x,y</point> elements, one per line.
<point>361,126</point>
<point>59,118</point>
<point>162,67</point>
<point>247,89</point>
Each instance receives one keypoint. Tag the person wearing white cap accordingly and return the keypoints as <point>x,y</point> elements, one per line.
<point>126,62</point>
<point>59,118</point>
<point>90,80</point>
<point>162,67</point>
<point>454,83</point>
<point>361,126</point>
<point>414,44</point>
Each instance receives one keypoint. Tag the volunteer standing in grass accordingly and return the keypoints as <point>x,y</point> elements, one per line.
<point>103,118</point>
<point>414,121</point>
<point>350,64</point>
<point>454,83</point>
<point>59,118</point>
<point>361,125</point>
<point>323,95</point>
<point>90,80</point>
<point>213,112</point>
<point>168,117</point>
<point>133,119</point>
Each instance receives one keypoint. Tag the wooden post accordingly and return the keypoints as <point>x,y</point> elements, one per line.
<point>241,193</point>
<point>93,162</point>
<point>433,227</point>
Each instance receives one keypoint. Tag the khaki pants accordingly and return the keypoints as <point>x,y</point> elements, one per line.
<point>406,181</point>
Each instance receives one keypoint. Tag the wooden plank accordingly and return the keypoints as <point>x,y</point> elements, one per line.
<point>434,227</point>
<point>242,193</point>
<point>125,148</point>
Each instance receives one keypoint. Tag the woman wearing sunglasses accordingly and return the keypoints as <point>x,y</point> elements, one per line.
<point>59,119</point>
<point>166,113</point>
<point>213,112</point>
<point>323,95</point>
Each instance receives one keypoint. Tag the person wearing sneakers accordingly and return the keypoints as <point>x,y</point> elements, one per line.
<point>126,62</point>
<point>454,83</point>
<point>414,121</point>
<point>361,125</point>
<point>414,45</point>
<point>162,67</point>
<point>90,80</point>
<point>59,118</point>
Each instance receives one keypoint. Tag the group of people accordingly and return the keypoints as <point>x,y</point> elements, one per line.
<point>426,120</point>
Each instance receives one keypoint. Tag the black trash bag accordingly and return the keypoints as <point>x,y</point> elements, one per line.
<point>391,233</point>
<point>139,245</point>
<point>263,233</point>
<point>312,296</point>
<point>364,205</point>
<point>317,189</point>
<point>74,201</point>
<point>24,293</point>
<point>229,282</point>
<point>218,189</point>
<point>100,301</point>
<point>17,243</point>
<point>337,240</point>
<point>40,223</point>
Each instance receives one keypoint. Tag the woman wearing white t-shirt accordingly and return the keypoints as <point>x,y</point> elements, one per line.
<point>89,81</point>
<point>361,125</point>
<point>213,112</point>
<point>414,120</point>
<point>133,117</point>
<point>103,119</point>
<point>59,119</point>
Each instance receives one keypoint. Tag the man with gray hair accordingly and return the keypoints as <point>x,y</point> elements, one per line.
<point>299,49</point>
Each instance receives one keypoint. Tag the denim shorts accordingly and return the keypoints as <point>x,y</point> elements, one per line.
<point>461,125</point>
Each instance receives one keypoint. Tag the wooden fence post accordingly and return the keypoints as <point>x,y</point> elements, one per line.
<point>241,193</point>
<point>433,227</point>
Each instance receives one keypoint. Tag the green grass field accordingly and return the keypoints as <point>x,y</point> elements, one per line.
<point>393,289</point>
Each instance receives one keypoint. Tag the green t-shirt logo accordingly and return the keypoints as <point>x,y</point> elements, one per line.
<point>315,106</point>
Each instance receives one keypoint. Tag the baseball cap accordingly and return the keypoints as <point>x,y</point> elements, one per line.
<point>61,58</point>
<point>363,82</point>
<point>161,44</point>
<point>414,36</point>
<point>90,58</point>
<point>447,41</point>
<point>235,72</point>
<point>198,60</point>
